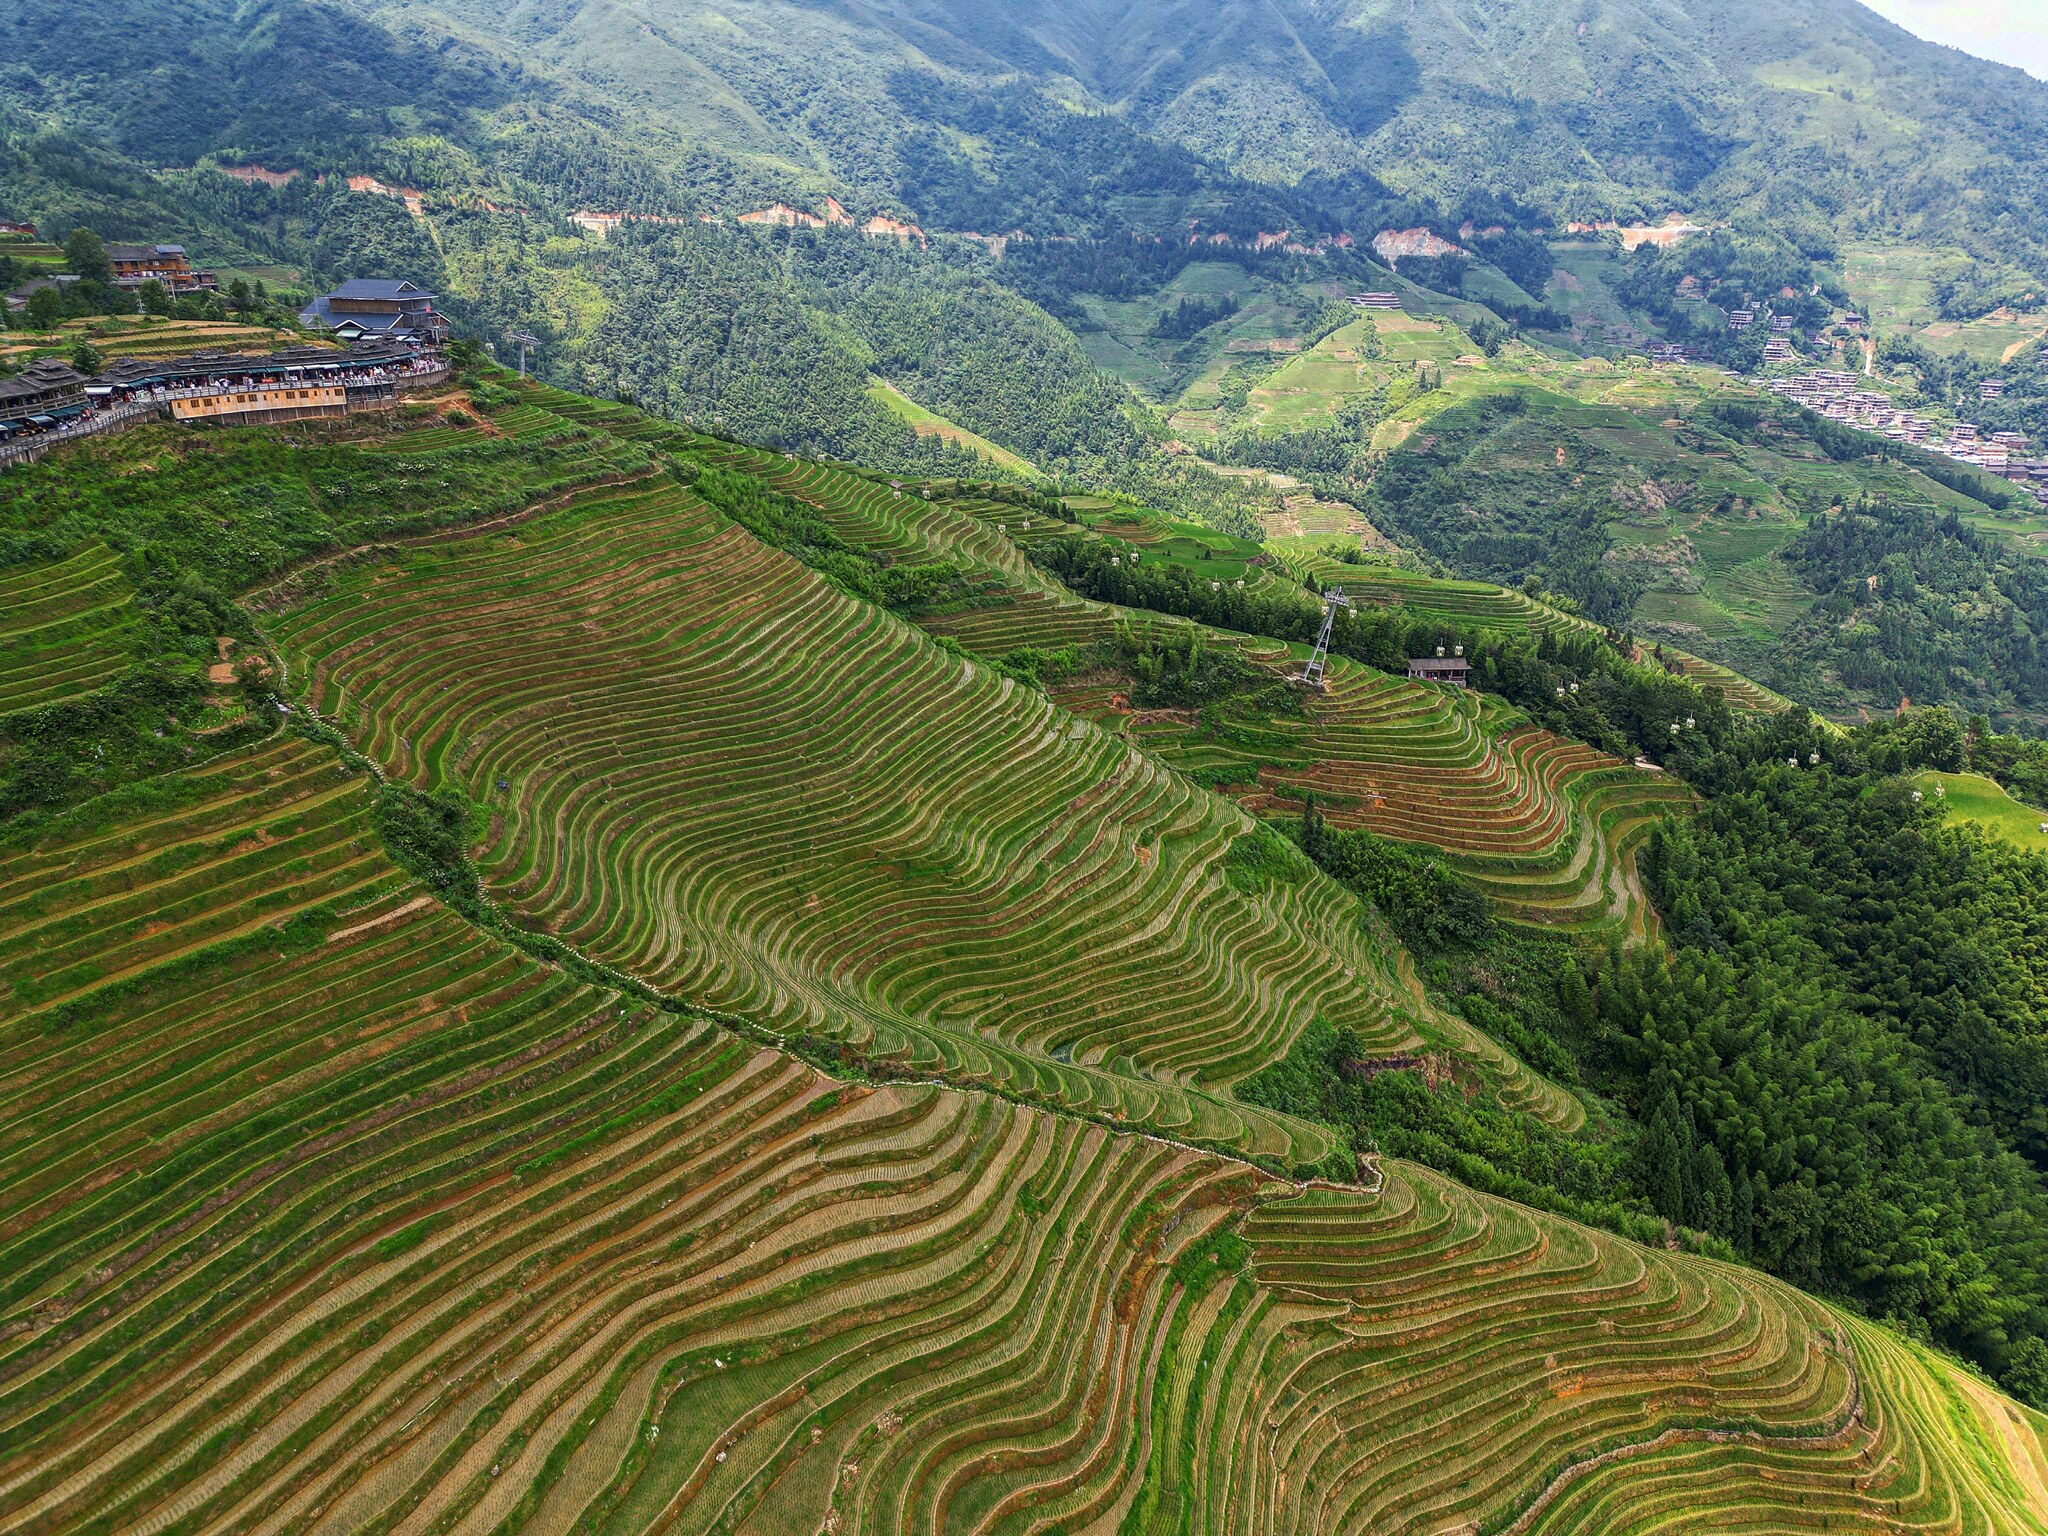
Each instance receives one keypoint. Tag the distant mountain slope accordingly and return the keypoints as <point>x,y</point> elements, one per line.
<point>1817,116</point>
<point>1813,111</point>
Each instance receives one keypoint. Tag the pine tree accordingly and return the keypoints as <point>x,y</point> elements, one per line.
<point>1688,1167</point>
<point>1713,1195</point>
<point>1661,1160</point>
<point>1742,1214</point>
<point>1315,836</point>
<point>1574,998</point>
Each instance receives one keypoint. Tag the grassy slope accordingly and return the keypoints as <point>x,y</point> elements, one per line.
<point>1975,799</point>
<point>1894,284</point>
<point>930,424</point>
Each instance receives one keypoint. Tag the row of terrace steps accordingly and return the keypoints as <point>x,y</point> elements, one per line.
<point>724,777</point>
<point>409,1231</point>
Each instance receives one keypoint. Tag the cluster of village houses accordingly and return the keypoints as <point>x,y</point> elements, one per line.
<point>1834,393</point>
<point>393,337</point>
<point>133,266</point>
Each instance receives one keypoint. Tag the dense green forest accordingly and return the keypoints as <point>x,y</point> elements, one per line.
<point>1912,605</point>
<point>1835,1069</point>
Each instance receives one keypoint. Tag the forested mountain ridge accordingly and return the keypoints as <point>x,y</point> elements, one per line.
<point>1078,126</point>
<point>1818,116</point>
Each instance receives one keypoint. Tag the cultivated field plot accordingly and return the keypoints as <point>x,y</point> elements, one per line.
<point>896,524</point>
<point>1546,827</point>
<point>707,766</point>
<point>1482,605</point>
<point>380,1226</point>
<point>65,628</point>
<point>323,1210</point>
<point>1984,804</point>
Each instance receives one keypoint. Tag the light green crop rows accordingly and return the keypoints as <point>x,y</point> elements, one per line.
<point>65,628</point>
<point>322,1211</point>
<point>1547,827</point>
<point>725,776</point>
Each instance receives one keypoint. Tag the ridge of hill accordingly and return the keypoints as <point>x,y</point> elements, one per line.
<point>1074,251</point>
<point>1545,826</point>
<point>1615,110</point>
<point>962,929</point>
<point>337,1201</point>
<point>1819,120</point>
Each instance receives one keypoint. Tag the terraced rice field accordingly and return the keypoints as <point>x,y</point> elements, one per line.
<point>1474,604</point>
<point>365,1222</point>
<point>1740,692</point>
<point>722,775</point>
<point>65,628</point>
<point>1548,828</point>
<point>897,525</point>
<point>323,1211</point>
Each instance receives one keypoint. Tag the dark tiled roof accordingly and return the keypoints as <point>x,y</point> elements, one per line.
<point>142,252</point>
<point>60,282</point>
<point>132,372</point>
<point>39,379</point>
<point>379,288</point>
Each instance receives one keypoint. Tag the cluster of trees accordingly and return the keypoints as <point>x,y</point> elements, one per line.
<point>1193,315</point>
<point>1523,255</point>
<point>1916,604</point>
<point>1980,288</point>
<point>1849,1019</point>
<point>1422,901</point>
<point>1530,258</point>
<point>1336,459</point>
<point>1578,683</point>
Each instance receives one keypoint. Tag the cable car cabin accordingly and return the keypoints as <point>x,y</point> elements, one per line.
<point>1454,670</point>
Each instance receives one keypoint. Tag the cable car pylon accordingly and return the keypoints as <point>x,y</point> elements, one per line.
<point>1312,674</point>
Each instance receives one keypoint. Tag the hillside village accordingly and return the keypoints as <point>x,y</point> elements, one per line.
<point>1834,394</point>
<point>390,339</point>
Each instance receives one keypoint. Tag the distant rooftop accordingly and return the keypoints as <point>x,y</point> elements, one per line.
<point>379,288</point>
